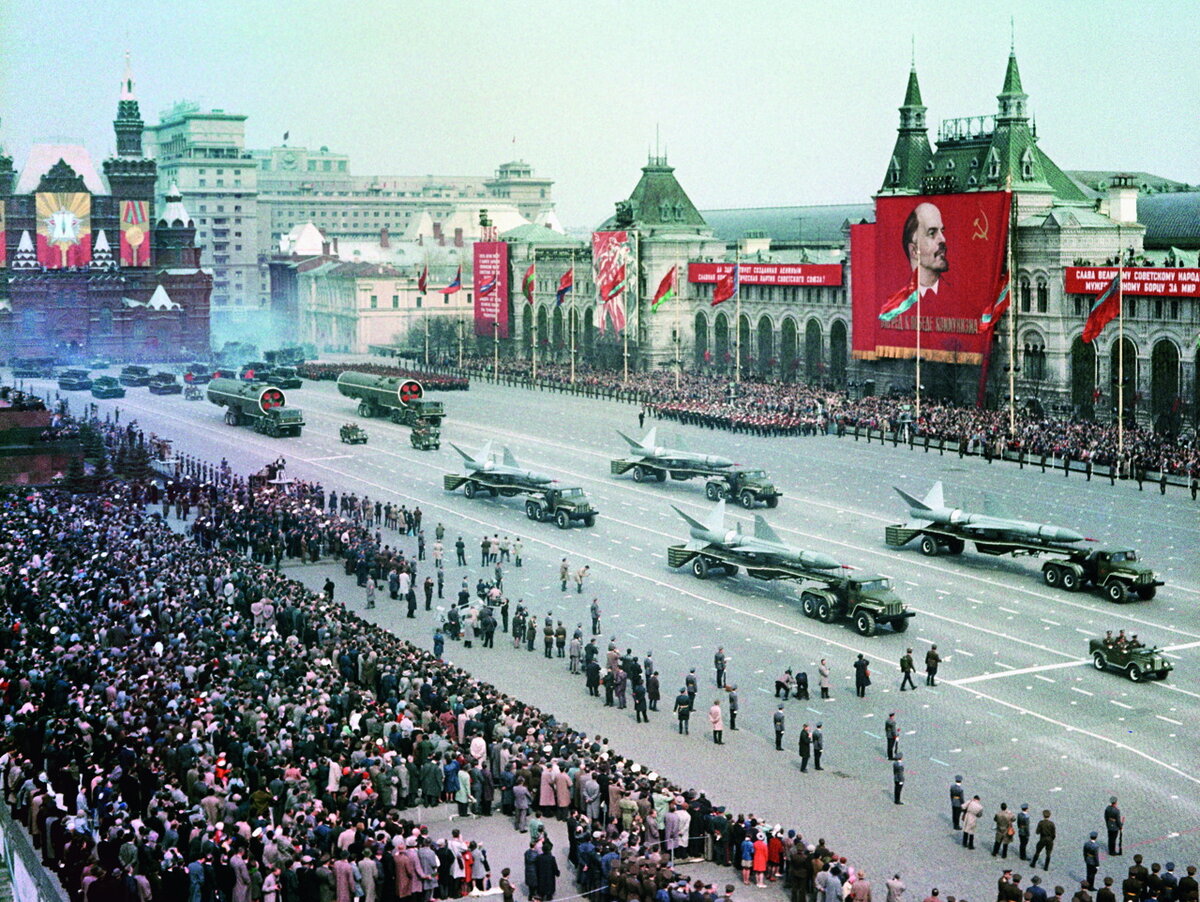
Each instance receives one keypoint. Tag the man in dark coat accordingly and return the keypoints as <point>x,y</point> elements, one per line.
<point>547,872</point>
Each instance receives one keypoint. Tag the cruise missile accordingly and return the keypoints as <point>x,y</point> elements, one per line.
<point>764,546</point>
<point>932,509</point>
<point>647,449</point>
<point>506,470</point>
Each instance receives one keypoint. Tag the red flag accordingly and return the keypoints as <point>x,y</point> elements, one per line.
<point>527,284</point>
<point>1106,307</point>
<point>992,315</point>
<point>901,301</point>
<point>423,279</point>
<point>565,284</point>
<point>454,286</point>
<point>727,286</point>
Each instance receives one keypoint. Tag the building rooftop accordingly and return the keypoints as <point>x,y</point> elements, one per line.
<point>43,156</point>
<point>803,225</point>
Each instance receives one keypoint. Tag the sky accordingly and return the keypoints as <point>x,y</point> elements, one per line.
<point>754,103</point>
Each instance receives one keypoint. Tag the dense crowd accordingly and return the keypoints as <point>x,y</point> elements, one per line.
<point>767,407</point>
<point>430,380</point>
<point>183,722</point>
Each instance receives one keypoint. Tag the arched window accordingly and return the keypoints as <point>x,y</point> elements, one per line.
<point>1025,295</point>
<point>1035,360</point>
<point>1043,296</point>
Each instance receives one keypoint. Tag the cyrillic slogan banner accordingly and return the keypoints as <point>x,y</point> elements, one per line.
<point>1153,281</point>
<point>491,288</point>
<point>811,275</point>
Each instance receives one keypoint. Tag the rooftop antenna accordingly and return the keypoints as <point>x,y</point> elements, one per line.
<point>913,56</point>
<point>1012,35</point>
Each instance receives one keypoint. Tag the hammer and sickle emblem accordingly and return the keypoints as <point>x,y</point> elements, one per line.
<point>981,226</point>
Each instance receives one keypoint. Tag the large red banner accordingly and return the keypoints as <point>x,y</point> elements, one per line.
<point>954,246</point>
<point>64,230</point>
<point>1134,280</point>
<point>491,288</point>
<point>806,275</point>
<point>135,232</point>
<point>612,268</point>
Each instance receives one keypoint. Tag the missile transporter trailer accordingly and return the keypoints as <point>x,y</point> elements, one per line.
<point>542,503</point>
<point>400,400</point>
<point>865,600</point>
<point>749,487</point>
<point>256,404</point>
<point>1114,571</point>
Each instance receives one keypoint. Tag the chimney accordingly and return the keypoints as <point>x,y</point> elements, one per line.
<point>437,232</point>
<point>1122,198</point>
<point>383,237</point>
<point>324,248</point>
<point>335,247</point>
<point>458,238</point>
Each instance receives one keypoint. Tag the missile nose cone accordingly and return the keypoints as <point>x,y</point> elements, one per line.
<point>822,561</point>
<point>1069,535</point>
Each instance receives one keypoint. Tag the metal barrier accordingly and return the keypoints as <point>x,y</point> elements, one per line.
<point>30,881</point>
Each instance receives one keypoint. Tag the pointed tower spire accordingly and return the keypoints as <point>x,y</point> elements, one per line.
<point>128,124</point>
<point>1012,98</point>
<point>912,151</point>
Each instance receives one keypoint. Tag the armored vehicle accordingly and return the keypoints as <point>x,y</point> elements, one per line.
<point>286,377</point>
<point>165,384</point>
<point>74,380</point>
<point>107,387</point>
<point>135,376</point>
<point>353,434</point>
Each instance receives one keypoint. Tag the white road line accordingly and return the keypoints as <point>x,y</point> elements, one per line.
<point>1007,610</point>
<point>1016,672</point>
<point>936,761</point>
<point>1113,701</point>
<point>1044,679</point>
<point>1051,622</point>
<point>309,460</point>
<point>959,651</point>
<point>1178,723</point>
<point>1081,691</point>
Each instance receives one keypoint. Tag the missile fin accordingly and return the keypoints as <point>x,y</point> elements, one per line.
<point>631,442</point>
<point>912,502</point>
<point>509,460</point>
<point>762,530</point>
<point>716,518</point>
<point>934,499</point>
<point>691,521</point>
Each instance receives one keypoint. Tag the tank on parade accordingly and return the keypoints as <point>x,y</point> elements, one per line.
<point>256,404</point>
<point>400,399</point>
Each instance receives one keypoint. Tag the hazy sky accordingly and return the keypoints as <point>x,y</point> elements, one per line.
<point>757,103</point>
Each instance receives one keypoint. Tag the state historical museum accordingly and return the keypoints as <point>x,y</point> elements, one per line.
<point>87,269</point>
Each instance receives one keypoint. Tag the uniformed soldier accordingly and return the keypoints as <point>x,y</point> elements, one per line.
<point>907,667</point>
<point>1091,860</point>
<point>683,710</point>
<point>1023,831</point>
<point>818,746</point>
<point>691,686</point>
<point>719,665</point>
<point>890,730</point>
<point>1114,821</point>
<point>779,729</point>
<point>956,801</point>
<point>564,573</point>
<point>805,748</point>
<point>1046,833</point>
<point>732,704</point>
<point>898,777</point>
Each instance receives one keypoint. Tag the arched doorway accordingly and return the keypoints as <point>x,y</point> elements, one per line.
<point>721,340</point>
<point>747,349</point>
<point>787,349</point>
<point>837,353</point>
<point>1083,378</point>
<point>1164,386</point>
<point>814,363</point>
<point>558,340</point>
<point>1129,366</point>
<point>527,319</point>
<point>543,331</point>
<point>701,342</point>
<point>589,333</point>
<point>766,345</point>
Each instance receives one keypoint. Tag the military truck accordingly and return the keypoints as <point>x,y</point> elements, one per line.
<point>286,377</point>
<point>74,380</point>
<point>401,400</point>
<point>199,373</point>
<point>1138,662</point>
<point>135,376</point>
<point>542,502</point>
<point>352,434</point>
<point>107,387</point>
<point>33,368</point>
<point>864,599</point>
<point>1114,571</point>
<point>257,404</point>
<point>748,487</point>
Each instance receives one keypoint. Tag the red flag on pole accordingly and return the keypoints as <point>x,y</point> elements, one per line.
<point>527,284</point>
<point>1104,310</point>
<point>727,286</point>
<point>423,279</point>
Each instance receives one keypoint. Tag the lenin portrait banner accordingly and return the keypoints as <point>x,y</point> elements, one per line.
<point>947,249</point>
<point>64,229</point>
<point>491,288</point>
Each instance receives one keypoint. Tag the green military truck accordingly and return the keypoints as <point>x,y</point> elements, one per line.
<point>256,404</point>
<point>401,400</point>
<point>564,506</point>
<point>865,600</point>
<point>748,487</point>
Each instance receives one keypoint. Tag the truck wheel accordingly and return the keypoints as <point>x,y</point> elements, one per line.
<point>747,499</point>
<point>562,520</point>
<point>1070,581</point>
<point>731,569</point>
<point>1134,672</point>
<point>231,418</point>
<point>661,476</point>
<point>700,567</point>
<point>900,626</point>
<point>773,501</point>
<point>1099,662</point>
<point>364,409</point>
<point>824,611</point>
<point>639,474</point>
<point>712,491</point>
<point>955,546</point>
<point>808,604</point>
<point>1051,575</point>
<point>589,520</point>
<point>1145,593</point>
<point>1115,590</point>
<point>469,489</point>
<point>531,510</point>
<point>864,622</point>
<point>929,546</point>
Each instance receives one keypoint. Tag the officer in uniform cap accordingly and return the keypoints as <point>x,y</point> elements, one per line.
<point>1023,830</point>
<point>1091,858</point>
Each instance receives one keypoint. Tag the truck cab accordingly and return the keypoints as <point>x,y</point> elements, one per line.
<point>563,506</point>
<point>747,486</point>
<point>865,599</point>
<point>1117,572</point>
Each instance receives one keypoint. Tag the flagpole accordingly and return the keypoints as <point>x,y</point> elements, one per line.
<point>625,330</point>
<point>496,351</point>
<point>533,333</point>
<point>678,325</point>
<point>571,317</point>
<point>426,315</point>
<point>918,385</point>
<point>1120,346</point>
<point>1012,313</point>
<point>737,316</point>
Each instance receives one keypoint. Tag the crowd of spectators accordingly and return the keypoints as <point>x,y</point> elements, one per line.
<point>768,407</point>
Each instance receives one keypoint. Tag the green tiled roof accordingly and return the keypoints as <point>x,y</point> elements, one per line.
<point>532,233</point>
<point>1171,220</point>
<point>659,202</point>
<point>804,225</point>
